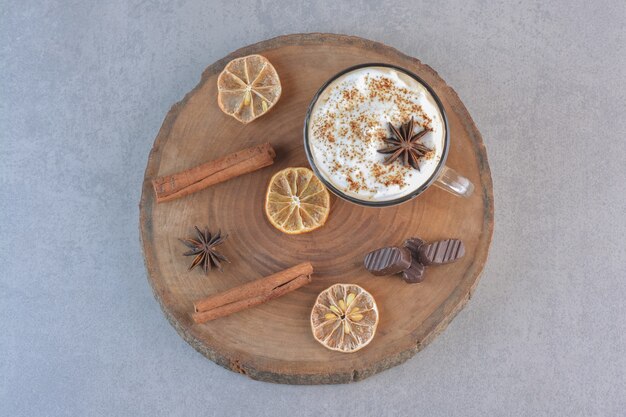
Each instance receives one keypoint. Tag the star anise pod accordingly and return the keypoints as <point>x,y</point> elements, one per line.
<point>403,143</point>
<point>203,248</point>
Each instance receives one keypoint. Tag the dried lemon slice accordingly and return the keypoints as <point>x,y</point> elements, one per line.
<point>344,318</point>
<point>296,201</point>
<point>248,87</point>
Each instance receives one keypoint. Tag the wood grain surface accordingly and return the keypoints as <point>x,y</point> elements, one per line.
<point>273,341</point>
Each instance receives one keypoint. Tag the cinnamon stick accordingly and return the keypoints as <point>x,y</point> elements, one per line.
<point>198,178</point>
<point>252,293</point>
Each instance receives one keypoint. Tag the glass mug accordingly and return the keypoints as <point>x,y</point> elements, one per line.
<point>443,177</point>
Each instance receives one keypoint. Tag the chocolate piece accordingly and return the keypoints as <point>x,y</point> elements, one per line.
<point>441,252</point>
<point>388,261</point>
<point>415,273</point>
<point>413,244</point>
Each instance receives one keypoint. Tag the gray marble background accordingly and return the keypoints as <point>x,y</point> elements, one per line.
<point>84,87</point>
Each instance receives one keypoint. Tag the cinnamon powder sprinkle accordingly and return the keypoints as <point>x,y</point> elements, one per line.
<point>365,131</point>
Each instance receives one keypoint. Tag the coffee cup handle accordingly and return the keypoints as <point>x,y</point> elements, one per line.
<point>452,182</point>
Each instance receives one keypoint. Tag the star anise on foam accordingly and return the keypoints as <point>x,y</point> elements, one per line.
<point>403,143</point>
<point>203,248</point>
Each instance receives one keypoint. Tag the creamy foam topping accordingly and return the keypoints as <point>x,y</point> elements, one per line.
<point>350,120</point>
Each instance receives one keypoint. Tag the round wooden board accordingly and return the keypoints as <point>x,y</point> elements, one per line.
<point>273,342</point>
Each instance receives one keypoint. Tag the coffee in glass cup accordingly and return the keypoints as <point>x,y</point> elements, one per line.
<point>377,135</point>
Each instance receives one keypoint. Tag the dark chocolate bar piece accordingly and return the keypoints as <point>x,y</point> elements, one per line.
<point>413,244</point>
<point>441,252</point>
<point>415,273</point>
<point>388,261</point>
